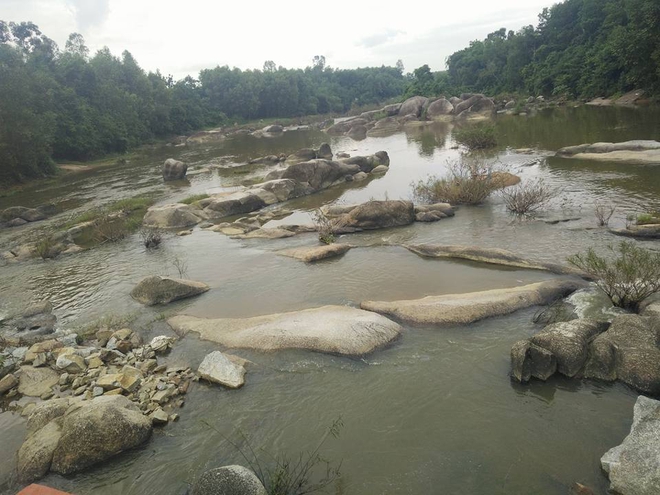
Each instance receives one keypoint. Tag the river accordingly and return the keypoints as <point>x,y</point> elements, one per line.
<point>435,412</point>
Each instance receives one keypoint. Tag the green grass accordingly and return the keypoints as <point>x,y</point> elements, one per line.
<point>648,218</point>
<point>476,137</point>
<point>194,198</point>
<point>128,205</point>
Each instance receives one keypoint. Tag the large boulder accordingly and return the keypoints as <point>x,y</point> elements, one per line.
<point>357,132</point>
<point>368,163</point>
<point>455,309</point>
<point>439,109</point>
<point>173,216</point>
<point>332,329</point>
<point>307,154</point>
<point>634,466</point>
<point>629,352</point>
<point>236,203</point>
<point>163,290</point>
<point>75,435</point>
<point>218,368</point>
<point>414,106</point>
<point>385,127</point>
<point>319,174</point>
<point>377,215</point>
<point>562,347</point>
<point>228,480</point>
<point>174,169</point>
<point>345,125</point>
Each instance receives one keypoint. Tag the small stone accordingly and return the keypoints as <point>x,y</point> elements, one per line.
<point>7,383</point>
<point>80,390</point>
<point>148,366</point>
<point>27,410</point>
<point>174,417</point>
<point>47,395</point>
<point>161,343</point>
<point>40,360</point>
<point>159,417</point>
<point>64,378</point>
<point>96,391</point>
<point>162,396</point>
<point>71,363</point>
<point>123,334</point>
<point>114,391</point>
<point>160,368</point>
<point>103,336</point>
<point>77,383</point>
<point>94,362</point>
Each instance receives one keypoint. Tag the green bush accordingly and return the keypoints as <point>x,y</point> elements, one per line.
<point>476,137</point>
<point>193,199</point>
<point>648,218</point>
<point>628,276</point>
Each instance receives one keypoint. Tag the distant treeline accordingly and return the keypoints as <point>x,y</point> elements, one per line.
<point>65,105</point>
<point>580,49</point>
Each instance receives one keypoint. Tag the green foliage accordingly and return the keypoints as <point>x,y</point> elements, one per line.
<point>325,227</point>
<point>648,218</point>
<point>469,181</point>
<point>283,475</point>
<point>194,198</point>
<point>68,106</point>
<point>580,48</point>
<point>627,279</point>
<point>46,248</point>
<point>476,137</point>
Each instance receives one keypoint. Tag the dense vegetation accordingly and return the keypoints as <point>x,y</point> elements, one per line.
<point>580,48</point>
<point>67,105</point>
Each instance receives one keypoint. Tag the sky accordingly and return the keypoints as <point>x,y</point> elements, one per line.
<point>183,37</point>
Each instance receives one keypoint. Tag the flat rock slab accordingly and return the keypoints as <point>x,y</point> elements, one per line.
<point>35,382</point>
<point>636,152</point>
<point>489,255</point>
<point>315,253</point>
<point>634,466</point>
<point>454,309</point>
<point>331,329</point>
<point>650,231</point>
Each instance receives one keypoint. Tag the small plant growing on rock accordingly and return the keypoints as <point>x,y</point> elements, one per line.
<point>627,279</point>
<point>46,248</point>
<point>476,137</point>
<point>604,214</point>
<point>648,218</point>
<point>181,266</point>
<point>325,227</point>
<point>110,228</point>
<point>528,197</point>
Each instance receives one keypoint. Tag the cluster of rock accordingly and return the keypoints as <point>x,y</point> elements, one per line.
<point>299,178</point>
<point>15,216</point>
<point>631,98</point>
<point>392,118</point>
<point>35,323</point>
<point>625,350</point>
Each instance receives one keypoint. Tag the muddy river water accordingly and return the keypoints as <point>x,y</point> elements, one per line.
<point>435,412</point>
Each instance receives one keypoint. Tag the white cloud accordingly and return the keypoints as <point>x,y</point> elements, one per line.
<point>181,38</point>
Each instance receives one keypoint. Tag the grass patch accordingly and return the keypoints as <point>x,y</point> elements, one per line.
<point>128,205</point>
<point>193,199</point>
<point>476,137</point>
<point>648,218</point>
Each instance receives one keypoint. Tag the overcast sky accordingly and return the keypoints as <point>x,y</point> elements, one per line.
<point>182,37</point>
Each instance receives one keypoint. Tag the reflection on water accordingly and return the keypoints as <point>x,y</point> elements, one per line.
<point>434,412</point>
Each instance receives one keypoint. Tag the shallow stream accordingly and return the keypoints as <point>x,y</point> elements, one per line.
<point>436,411</point>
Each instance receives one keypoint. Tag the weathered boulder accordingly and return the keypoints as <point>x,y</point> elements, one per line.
<point>36,454</point>
<point>391,110</point>
<point>234,204</point>
<point>368,163</point>
<point>357,132</point>
<point>218,368</point>
<point>306,154</point>
<point>163,290</point>
<point>267,160</point>
<point>377,215</point>
<point>173,216</point>
<point>385,127</point>
<point>324,152</point>
<point>629,352</point>
<point>454,309</point>
<point>315,253</point>
<point>439,109</point>
<point>344,126</point>
<point>202,137</point>
<point>22,213</point>
<point>648,231</point>
<point>228,480</point>
<point>7,383</point>
<point>510,105</point>
<point>97,430</point>
<point>414,106</point>
<point>563,347</point>
<point>488,255</point>
<point>332,329</point>
<point>319,174</point>
<point>634,466</point>
<point>273,129</point>
<point>174,169</point>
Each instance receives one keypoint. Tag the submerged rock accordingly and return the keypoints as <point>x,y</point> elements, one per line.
<point>634,466</point>
<point>163,290</point>
<point>228,480</point>
<point>174,169</point>
<point>218,368</point>
<point>454,309</point>
<point>332,329</point>
<point>637,152</point>
<point>315,253</point>
<point>488,255</point>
